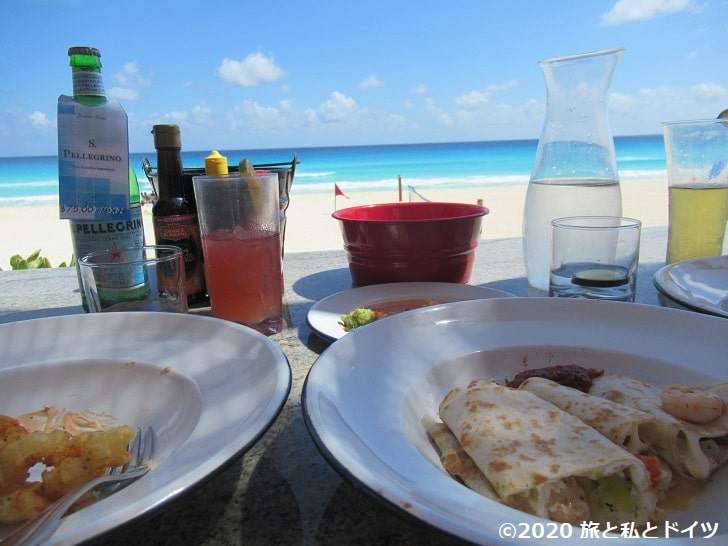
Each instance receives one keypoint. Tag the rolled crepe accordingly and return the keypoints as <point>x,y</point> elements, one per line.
<point>455,460</point>
<point>623,425</point>
<point>691,449</point>
<point>542,460</point>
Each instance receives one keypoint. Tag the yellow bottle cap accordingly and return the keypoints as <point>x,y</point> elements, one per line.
<point>216,164</point>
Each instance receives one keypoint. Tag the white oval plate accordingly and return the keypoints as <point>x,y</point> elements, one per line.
<point>365,395</point>
<point>145,393</point>
<point>324,317</point>
<point>701,284</point>
<point>210,389</point>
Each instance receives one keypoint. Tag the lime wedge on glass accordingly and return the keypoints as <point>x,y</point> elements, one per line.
<point>601,276</point>
<point>254,183</point>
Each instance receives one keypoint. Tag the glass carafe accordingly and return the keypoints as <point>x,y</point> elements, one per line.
<point>575,170</point>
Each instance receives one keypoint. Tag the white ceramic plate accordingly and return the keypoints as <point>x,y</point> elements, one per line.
<point>210,389</point>
<point>365,395</point>
<point>701,284</point>
<point>325,315</point>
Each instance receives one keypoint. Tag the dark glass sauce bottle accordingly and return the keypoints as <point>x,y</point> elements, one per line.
<point>175,216</point>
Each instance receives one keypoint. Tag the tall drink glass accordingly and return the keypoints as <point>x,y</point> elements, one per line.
<point>697,178</point>
<point>240,227</point>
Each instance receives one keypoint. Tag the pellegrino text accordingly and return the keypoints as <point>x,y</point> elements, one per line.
<point>69,154</point>
<point>108,227</point>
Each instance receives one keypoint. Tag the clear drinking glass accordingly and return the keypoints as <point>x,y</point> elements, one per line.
<point>150,278</point>
<point>697,178</point>
<point>594,257</point>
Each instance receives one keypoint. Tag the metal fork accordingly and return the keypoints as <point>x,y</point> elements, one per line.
<point>37,530</point>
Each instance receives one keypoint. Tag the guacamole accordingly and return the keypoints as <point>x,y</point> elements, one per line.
<point>359,317</point>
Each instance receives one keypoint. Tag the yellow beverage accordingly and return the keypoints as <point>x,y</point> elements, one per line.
<point>698,216</point>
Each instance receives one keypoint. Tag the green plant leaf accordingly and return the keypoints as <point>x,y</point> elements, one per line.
<point>34,261</point>
<point>40,262</point>
<point>17,261</point>
<point>33,256</point>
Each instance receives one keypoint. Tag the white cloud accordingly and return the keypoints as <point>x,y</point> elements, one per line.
<point>250,114</point>
<point>644,110</point>
<point>441,116</point>
<point>128,81</point>
<point>472,100</point>
<point>338,107</point>
<point>421,89</point>
<point>647,99</point>
<point>39,119</point>
<point>251,109</point>
<point>708,90</point>
<point>130,76</point>
<point>478,98</point>
<point>371,81</point>
<point>255,69</point>
<point>201,114</point>
<point>178,117</point>
<point>625,11</point>
<point>122,93</point>
<point>503,115</point>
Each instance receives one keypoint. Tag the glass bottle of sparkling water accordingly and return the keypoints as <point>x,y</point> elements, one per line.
<point>575,170</point>
<point>91,234</point>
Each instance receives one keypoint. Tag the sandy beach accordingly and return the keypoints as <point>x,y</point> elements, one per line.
<point>310,226</point>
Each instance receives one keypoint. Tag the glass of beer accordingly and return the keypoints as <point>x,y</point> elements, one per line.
<point>697,178</point>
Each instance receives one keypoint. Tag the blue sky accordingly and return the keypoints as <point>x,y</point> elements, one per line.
<point>247,75</point>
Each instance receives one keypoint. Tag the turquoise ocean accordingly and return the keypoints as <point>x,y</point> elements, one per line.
<point>28,181</point>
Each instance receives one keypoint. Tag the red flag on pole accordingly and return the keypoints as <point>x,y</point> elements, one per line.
<point>337,191</point>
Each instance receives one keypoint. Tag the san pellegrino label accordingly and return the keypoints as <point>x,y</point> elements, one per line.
<point>93,180</point>
<point>92,236</point>
<point>93,161</point>
<point>89,236</point>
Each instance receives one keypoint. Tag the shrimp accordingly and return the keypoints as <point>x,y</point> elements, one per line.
<point>692,404</point>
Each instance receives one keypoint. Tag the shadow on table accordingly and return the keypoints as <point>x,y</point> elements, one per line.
<point>313,288</point>
<point>324,283</point>
<point>13,316</point>
<point>645,290</point>
<point>197,513</point>
<point>313,505</point>
<point>380,526</point>
<point>518,286</point>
